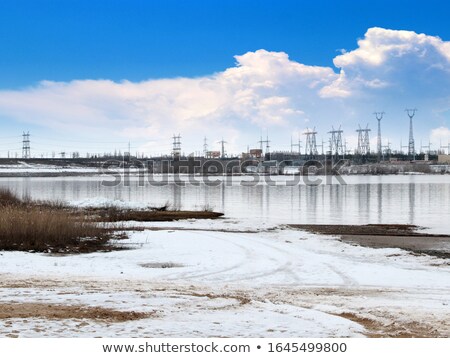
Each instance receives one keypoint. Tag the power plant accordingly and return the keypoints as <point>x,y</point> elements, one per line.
<point>263,156</point>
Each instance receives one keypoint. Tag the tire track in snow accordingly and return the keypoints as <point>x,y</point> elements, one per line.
<point>235,266</point>
<point>346,279</point>
<point>257,252</point>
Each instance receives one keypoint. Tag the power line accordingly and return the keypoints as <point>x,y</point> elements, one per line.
<point>15,136</point>
<point>84,141</point>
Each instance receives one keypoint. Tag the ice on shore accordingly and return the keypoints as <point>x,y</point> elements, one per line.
<point>275,282</point>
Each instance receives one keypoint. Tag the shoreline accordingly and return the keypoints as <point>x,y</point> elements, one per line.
<point>147,174</point>
<point>405,237</point>
<point>245,277</point>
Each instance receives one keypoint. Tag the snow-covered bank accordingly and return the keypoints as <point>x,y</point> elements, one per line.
<point>275,282</point>
<point>25,168</point>
<point>22,169</point>
<point>281,257</point>
<point>386,168</point>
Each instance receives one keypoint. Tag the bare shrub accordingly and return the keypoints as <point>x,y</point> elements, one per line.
<point>208,207</point>
<point>7,197</point>
<point>45,226</point>
<point>43,229</point>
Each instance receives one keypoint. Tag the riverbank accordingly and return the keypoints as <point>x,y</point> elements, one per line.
<point>405,237</point>
<point>247,274</point>
<point>60,167</point>
<point>277,282</point>
<point>51,226</point>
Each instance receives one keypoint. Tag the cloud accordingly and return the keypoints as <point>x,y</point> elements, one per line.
<point>259,91</point>
<point>392,58</point>
<point>265,90</point>
<point>440,136</point>
<point>337,88</point>
<point>379,46</point>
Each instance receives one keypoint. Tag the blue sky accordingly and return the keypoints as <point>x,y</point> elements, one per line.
<point>63,40</point>
<point>138,41</point>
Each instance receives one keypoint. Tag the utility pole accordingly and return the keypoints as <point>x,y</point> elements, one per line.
<point>427,153</point>
<point>223,147</point>
<point>411,149</point>
<point>346,151</point>
<point>266,142</point>
<point>176,150</point>
<point>205,147</point>
<point>387,150</point>
<point>26,145</point>
<point>402,146</point>
<point>298,145</point>
<point>446,147</point>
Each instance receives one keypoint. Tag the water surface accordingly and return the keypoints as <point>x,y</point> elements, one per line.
<point>423,200</point>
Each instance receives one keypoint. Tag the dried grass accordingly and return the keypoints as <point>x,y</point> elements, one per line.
<point>37,226</point>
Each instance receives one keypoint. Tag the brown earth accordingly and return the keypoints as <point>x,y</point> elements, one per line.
<point>54,311</point>
<point>378,320</point>
<point>375,329</point>
<point>116,214</point>
<point>404,237</point>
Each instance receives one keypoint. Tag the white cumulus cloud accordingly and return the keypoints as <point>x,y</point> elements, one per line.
<point>265,91</point>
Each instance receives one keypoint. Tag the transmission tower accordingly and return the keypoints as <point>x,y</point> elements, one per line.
<point>363,141</point>
<point>387,150</point>
<point>411,149</point>
<point>222,142</point>
<point>336,147</point>
<point>426,146</point>
<point>379,117</point>
<point>176,150</point>
<point>298,145</point>
<point>446,147</point>
<point>311,145</point>
<point>322,146</point>
<point>26,145</point>
<point>402,146</point>
<point>266,142</point>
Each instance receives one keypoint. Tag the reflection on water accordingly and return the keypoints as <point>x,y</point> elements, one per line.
<point>412,201</point>
<point>422,200</point>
